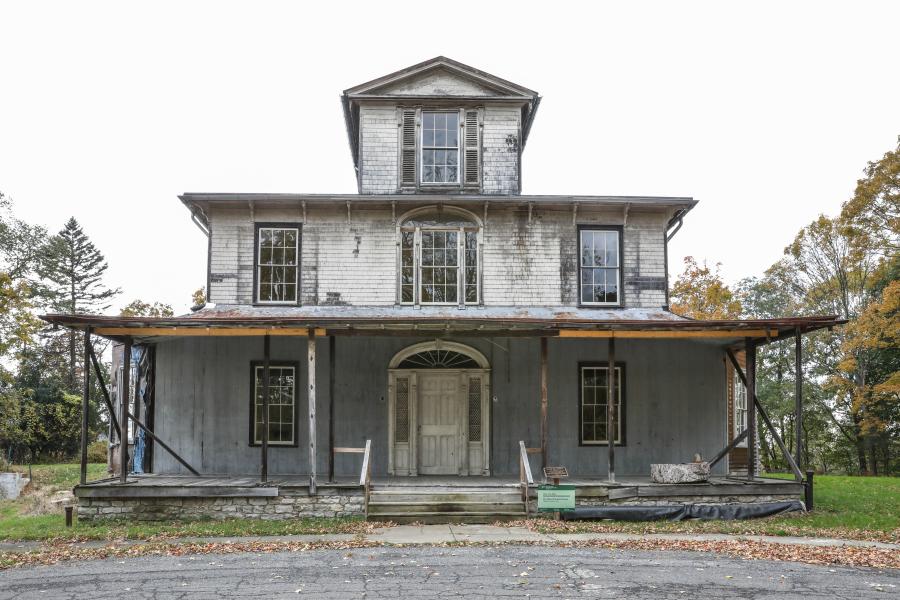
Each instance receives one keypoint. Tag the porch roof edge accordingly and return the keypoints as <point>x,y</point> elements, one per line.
<point>727,330</point>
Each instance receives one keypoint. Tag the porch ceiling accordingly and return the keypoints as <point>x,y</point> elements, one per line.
<point>564,322</point>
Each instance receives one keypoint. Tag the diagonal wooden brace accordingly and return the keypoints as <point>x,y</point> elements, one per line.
<point>765,418</point>
<point>115,422</point>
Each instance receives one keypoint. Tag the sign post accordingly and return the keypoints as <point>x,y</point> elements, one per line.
<point>555,497</point>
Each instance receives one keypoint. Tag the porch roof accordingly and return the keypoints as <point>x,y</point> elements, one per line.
<point>501,321</point>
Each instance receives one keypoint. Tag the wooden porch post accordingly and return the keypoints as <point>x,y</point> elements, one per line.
<point>611,410</point>
<point>545,426</point>
<point>311,379</point>
<point>85,404</point>
<point>751,413</point>
<point>126,384</point>
<point>331,353</point>
<point>264,467</point>
<point>798,398</point>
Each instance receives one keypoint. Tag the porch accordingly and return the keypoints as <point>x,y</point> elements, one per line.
<point>443,401</point>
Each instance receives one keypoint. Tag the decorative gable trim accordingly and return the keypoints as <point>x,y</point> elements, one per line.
<point>500,86</point>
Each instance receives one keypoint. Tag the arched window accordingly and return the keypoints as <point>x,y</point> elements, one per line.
<point>440,257</point>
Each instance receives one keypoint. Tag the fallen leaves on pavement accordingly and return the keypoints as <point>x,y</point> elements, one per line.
<point>748,527</point>
<point>854,556</point>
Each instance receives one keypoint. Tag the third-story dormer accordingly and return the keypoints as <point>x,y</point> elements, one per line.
<point>439,127</point>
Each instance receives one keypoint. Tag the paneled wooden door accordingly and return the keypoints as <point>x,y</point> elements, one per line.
<point>440,423</point>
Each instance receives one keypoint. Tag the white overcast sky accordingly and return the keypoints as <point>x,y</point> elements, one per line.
<point>766,112</point>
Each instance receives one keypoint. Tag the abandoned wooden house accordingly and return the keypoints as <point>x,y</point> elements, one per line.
<point>423,348</point>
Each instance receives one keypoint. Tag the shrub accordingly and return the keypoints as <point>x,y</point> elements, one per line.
<point>97,452</point>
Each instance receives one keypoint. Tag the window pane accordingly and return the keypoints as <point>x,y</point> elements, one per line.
<point>612,249</point>
<point>452,134</point>
<point>450,293</point>
<point>586,249</point>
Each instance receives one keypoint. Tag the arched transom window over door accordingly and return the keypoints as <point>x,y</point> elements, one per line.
<point>440,257</point>
<point>438,411</point>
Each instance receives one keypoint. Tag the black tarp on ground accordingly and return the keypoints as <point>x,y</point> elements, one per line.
<point>680,512</point>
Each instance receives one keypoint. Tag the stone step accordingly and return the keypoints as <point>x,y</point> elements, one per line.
<point>454,497</point>
<point>445,507</point>
<point>447,517</point>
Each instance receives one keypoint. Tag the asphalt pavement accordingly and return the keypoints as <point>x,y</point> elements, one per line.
<point>446,572</point>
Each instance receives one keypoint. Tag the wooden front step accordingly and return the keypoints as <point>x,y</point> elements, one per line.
<point>442,504</point>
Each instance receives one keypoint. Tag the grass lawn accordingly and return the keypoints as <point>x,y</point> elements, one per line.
<point>33,517</point>
<point>851,507</point>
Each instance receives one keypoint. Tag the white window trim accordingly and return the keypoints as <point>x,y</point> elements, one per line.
<point>461,266</point>
<point>618,383</point>
<point>260,266</point>
<point>739,424</point>
<point>618,266</point>
<point>256,383</point>
<point>421,152</point>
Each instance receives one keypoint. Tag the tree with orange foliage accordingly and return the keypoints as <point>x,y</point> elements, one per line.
<point>700,293</point>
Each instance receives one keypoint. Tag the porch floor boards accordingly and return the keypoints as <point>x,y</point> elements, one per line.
<point>248,481</point>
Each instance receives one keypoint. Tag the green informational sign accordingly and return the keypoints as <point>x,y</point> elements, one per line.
<point>556,497</point>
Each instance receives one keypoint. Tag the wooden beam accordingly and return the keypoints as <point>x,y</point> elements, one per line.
<point>331,367</point>
<point>205,331</point>
<point>757,405</point>
<point>123,438</point>
<point>750,383</point>
<point>611,410</point>
<point>545,426</point>
<point>668,334</point>
<point>136,490</point>
<point>798,399</point>
<point>162,444</point>
<point>109,404</point>
<point>741,436</point>
<point>311,399</point>
<point>264,438</point>
<point>85,405</point>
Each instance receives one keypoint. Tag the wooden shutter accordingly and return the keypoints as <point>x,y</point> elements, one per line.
<point>408,148</point>
<point>472,149</point>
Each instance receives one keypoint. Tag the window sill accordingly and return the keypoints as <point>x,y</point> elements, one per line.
<point>275,445</point>
<point>597,305</point>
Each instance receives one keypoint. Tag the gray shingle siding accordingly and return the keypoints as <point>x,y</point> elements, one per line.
<point>525,264</point>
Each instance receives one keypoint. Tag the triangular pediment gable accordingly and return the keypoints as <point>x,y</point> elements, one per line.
<point>442,77</point>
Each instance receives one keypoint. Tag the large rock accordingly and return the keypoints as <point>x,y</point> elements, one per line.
<point>694,472</point>
<point>11,485</point>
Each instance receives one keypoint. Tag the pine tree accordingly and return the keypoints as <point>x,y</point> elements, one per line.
<point>73,269</point>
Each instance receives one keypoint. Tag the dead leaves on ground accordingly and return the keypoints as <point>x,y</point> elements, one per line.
<point>853,556</point>
<point>755,527</point>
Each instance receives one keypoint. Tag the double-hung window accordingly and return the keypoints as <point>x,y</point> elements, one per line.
<point>277,264</point>
<point>594,396</point>
<point>282,404</point>
<point>440,147</point>
<point>740,407</point>
<point>439,260</point>
<point>600,266</point>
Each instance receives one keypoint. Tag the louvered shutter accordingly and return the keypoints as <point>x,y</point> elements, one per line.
<point>472,149</point>
<point>408,148</point>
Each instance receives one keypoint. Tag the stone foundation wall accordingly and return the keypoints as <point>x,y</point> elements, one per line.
<point>287,505</point>
<point>671,500</point>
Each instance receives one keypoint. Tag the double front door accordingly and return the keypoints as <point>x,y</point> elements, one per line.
<point>439,421</point>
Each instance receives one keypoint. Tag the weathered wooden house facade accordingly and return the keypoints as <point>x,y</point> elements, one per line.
<point>439,333</point>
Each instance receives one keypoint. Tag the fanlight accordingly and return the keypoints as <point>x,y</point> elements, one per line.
<point>439,359</point>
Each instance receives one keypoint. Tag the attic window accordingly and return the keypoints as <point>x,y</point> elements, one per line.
<point>440,147</point>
